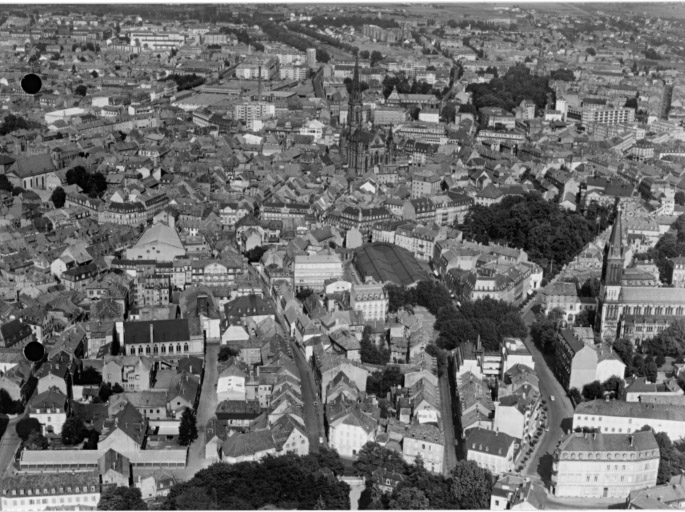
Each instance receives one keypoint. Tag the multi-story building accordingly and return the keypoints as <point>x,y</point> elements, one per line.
<point>590,115</point>
<point>155,40</point>
<point>577,361</point>
<point>425,184</point>
<point>418,240</point>
<point>492,450</point>
<point>493,116</point>
<point>172,338</point>
<point>371,299</point>
<point>251,69</point>
<point>451,207</point>
<point>26,492</point>
<point>360,218</point>
<point>599,465</point>
<point>50,409</point>
<point>627,417</point>
<point>421,209</point>
<point>251,110</point>
<point>427,441</point>
<point>312,271</point>
<point>132,373</point>
<point>293,212</point>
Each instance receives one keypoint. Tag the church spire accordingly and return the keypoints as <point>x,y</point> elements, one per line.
<point>612,271</point>
<point>616,238</point>
<point>356,92</point>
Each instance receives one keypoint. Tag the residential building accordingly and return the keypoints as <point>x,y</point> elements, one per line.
<point>492,450</point>
<point>601,465</point>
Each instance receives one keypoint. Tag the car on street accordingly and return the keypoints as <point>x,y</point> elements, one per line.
<point>316,403</point>
<point>551,397</point>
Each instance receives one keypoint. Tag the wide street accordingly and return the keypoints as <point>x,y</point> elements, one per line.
<point>8,446</point>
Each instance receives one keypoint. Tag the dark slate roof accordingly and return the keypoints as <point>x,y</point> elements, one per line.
<point>162,331</point>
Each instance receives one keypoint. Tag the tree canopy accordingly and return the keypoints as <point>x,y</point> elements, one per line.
<point>544,230</point>
<point>58,197</point>
<point>9,406</point>
<point>122,498</point>
<point>92,184</point>
<point>187,430</point>
<point>287,482</point>
<point>510,90</point>
<point>12,123</point>
<point>73,431</point>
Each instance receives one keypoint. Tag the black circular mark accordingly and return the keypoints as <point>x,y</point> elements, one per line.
<point>31,83</point>
<point>34,351</point>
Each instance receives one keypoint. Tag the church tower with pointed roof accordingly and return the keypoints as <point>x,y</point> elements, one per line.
<point>612,274</point>
<point>360,149</point>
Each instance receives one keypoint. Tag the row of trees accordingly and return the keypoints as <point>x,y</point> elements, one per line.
<point>548,233</point>
<point>315,34</point>
<point>286,482</point>
<point>467,487</point>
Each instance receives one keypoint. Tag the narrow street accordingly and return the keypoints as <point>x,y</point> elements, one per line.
<point>450,458</point>
<point>559,410</point>
<point>313,414</point>
<point>205,410</point>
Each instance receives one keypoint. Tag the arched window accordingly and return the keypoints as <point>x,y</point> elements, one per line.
<point>140,350</point>
<point>163,349</point>
<point>171,348</point>
<point>155,349</point>
<point>658,310</point>
<point>679,311</point>
<point>147,349</point>
<point>132,352</point>
<point>185,347</point>
<point>178,348</point>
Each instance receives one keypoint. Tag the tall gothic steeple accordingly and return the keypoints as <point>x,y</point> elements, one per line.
<point>355,105</point>
<point>614,254</point>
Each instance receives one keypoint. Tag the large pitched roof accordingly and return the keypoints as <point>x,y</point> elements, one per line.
<point>160,232</point>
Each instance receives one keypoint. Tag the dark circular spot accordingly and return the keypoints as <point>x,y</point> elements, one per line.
<point>31,83</point>
<point>34,351</point>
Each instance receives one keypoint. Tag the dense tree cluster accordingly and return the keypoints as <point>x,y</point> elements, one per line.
<point>613,385</point>
<point>184,82</point>
<point>94,184</point>
<point>510,90</point>
<point>488,318</point>
<point>12,123</point>
<point>381,382</point>
<point>315,34</point>
<point>670,245</point>
<point>286,482</point>
<point>226,352</point>
<point>243,37</point>
<point>668,343</point>
<point>9,406</point>
<point>548,233</point>
<point>370,353</point>
<point>358,22</point>
<point>187,430</point>
<point>671,456</point>
<point>122,498</point>
<point>563,74</point>
<point>637,364</point>
<point>255,254</point>
<point>58,197</point>
<point>468,486</point>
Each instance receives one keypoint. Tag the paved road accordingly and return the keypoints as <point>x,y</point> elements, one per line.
<point>9,446</point>
<point>450,459</point>
<point>205,410</point>
<point>313,415</point>
<point>559,411</point>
